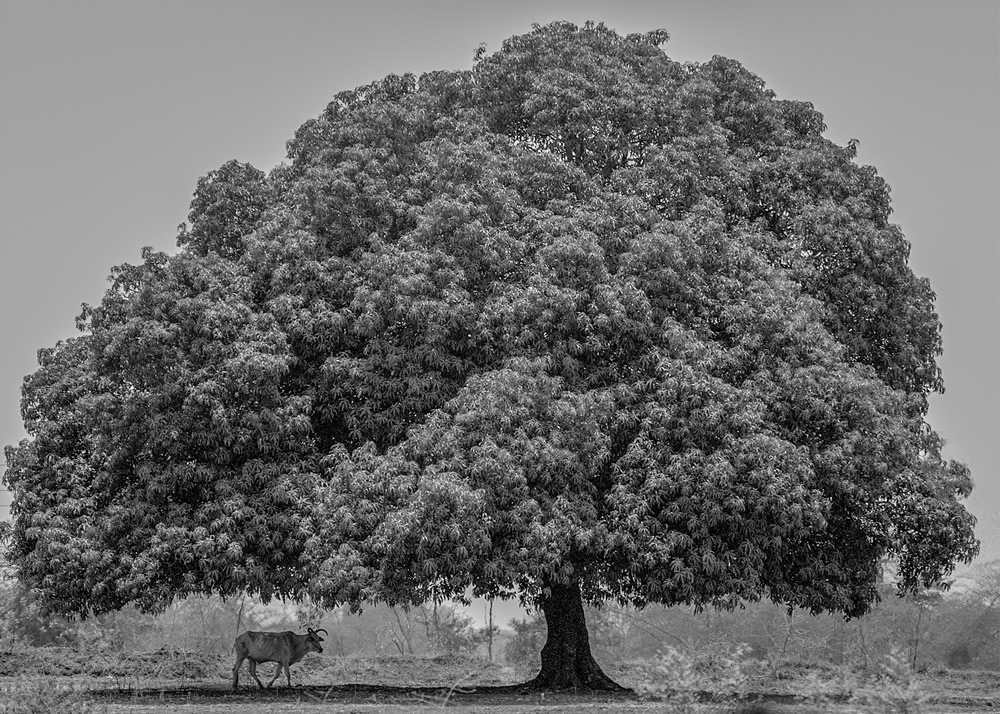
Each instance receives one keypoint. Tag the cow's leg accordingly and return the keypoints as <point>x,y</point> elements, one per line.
<point>253,671</point>
<point>240,656</point>
<point>288,675</point>
<point>277,673</point>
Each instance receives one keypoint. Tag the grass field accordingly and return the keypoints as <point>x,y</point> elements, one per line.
<point>173,680</point>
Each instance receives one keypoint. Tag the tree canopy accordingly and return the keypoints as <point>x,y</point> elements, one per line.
<point>580,322</point>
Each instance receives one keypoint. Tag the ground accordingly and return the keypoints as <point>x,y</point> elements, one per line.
<point>173,680</point>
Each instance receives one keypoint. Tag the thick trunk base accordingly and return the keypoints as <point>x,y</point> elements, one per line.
<point>566,659</point>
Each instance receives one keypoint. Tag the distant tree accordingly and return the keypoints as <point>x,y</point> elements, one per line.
<point>527,640</point>
<point>984,602</point>
<point>449,631</point>
<point>966,629</point>
<point>580,324</point>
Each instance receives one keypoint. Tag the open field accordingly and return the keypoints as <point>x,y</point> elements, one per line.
<point>173,680</point>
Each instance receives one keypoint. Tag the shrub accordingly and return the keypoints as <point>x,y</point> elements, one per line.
<point>897,689</point>
<point>684,679</point>
<point>43,695</point>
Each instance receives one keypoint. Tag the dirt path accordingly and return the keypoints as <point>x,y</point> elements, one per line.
<point>341,699</point>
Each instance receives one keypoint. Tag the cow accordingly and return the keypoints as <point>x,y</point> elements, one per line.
<point>285,648</point>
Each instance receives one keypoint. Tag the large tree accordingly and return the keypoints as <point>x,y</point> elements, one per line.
<point>580,324</point>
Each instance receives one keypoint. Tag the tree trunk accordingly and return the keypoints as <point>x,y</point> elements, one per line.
<point>566,659</point>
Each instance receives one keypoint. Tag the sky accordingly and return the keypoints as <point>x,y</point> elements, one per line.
<point>111,110</point>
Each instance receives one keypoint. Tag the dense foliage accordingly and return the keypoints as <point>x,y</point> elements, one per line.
<point>582,316</point>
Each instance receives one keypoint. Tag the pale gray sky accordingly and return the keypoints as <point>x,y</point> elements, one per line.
<point>112,110</point>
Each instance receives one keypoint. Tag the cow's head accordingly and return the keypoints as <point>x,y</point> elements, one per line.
<point>313,639</point>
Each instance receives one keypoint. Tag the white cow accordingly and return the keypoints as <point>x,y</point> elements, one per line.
<point>285,648</point>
